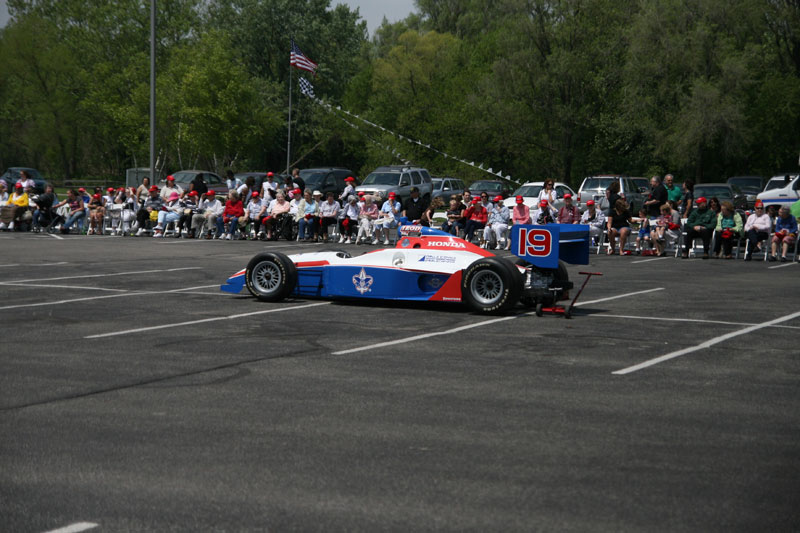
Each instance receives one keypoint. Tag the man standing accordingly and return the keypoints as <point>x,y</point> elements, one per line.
<point>414,207</point>
<point>674,193</point>
<point>269,185</point>
<point>657,198</point>
<point>231,181</point>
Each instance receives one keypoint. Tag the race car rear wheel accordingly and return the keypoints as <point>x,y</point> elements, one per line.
<point>491,285</point>
<point>271,276</point>
<point>559,275</point>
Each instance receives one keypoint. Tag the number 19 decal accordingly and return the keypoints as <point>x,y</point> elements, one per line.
<point>534,241</point>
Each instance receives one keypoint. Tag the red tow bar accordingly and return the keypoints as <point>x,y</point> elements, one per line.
<point>560,309</point>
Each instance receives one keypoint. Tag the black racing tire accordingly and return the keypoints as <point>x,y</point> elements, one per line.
<point>539,309</point>
<point>561,274</point>
<point>271,276</point>
<point>491,285</point>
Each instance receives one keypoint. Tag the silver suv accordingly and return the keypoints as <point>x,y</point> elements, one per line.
<point>594,188</point>
<point>400,180</point>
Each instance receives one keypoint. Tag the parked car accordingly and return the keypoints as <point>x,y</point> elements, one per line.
<point>594,188</point>
<point>642,185</point>
<point>12,175</point>
<point>398,179</point>
<point>781,191</point>
<point>723,192</point>
<point>750,186</point>
<point>445,187</point>
<point>327,179</point>
<point>185,177</point>
<point>530,194</point>
<point>493,187</point>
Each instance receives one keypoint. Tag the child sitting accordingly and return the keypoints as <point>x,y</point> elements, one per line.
<point>644,233</point>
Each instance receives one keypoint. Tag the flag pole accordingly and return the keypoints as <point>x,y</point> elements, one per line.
<point>289,136</point>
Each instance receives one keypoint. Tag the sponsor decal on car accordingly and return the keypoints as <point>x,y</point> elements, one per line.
<point>363,281</point>
<point>437,259</point>
<point>432,243</point>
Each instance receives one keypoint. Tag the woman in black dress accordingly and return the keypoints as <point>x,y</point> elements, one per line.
<point>619,225</point>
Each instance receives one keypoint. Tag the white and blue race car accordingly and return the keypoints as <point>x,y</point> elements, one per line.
<point>427,265</point>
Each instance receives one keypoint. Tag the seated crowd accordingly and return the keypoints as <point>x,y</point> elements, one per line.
<point>290,211</point>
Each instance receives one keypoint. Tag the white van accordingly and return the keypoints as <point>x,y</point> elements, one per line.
<point>781,191</point>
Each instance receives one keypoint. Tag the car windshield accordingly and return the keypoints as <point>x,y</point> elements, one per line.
<point>746,182</point>
<point>709,191</point>
<point>528,190</point>
<point>599,184</point>
<point>777,183</point>
<point>437,184</point>
<point>486,186</point>
<point>312,178</point>
<point>382,178</point>
<point>184,177</point>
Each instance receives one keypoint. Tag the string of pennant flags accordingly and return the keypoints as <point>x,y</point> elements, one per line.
<point>308,90</point>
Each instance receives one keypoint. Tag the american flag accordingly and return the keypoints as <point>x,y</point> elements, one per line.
<point>299,60</point>
<point>306,88</point>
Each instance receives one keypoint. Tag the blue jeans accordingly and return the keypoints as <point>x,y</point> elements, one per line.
<point>309,226</point>
<point>73,218</point>
<point>453,228</point>
<point>232,225</point>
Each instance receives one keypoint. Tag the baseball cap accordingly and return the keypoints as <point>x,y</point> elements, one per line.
<point>476,201</point>
<point>498,198</point>
<point>414,189</point>
<point>18,186</point>
<point>590,202</point>
<point>759,203</point>
<point>254,195</point>
<point>520,200</point>
<point>349,178</point>
<point>392,195</point>
<point>543,203</point>
<point>361,193</point>
<point>568,196</point>
<point>270,174</point>
<point>170,178</point>
<point>212,192</point>
<point>110,189</point>
<point>79,190</point>
<point>193,193</point>
<point>96,196</point>
<point>702,200</point>
<point>296,191</point>
<point>153,188</point>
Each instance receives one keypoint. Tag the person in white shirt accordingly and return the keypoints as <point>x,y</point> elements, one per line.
<point>3,193</point>
<point>390,214</point>
<point>328,214</point>
<point>497,224</point>
<point>595,219</point>
<point>206,218</point>
<point>170,188</point>
<point>269,185</point>
<point>349,221</point>
<point>27,182</point>
<point>756,229</point>
<point>548,193</point>
<point>349,189</point>
<point>252,212</point>
<point>231,181</point>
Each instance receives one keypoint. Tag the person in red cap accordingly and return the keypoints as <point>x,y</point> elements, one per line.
<point>568,214</point>
<point>12,213</point>
<point>595,219</point>
<point>269,185</point>
<point>349,188</point>
<point>145,216</point>
<point>170,188</point>
<point>543,215</point>
<point>494,233</point>
<point>521,213</point>
<point>189,205</point>
<point>252,214</point>
<point>96,214</point>
<point>756,229</point>
<point>701,223</point>
<point>205,220</point>
<point>477,216</point>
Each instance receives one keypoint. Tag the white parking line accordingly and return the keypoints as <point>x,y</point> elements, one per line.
<point>203,320</point>
<point>783,265</point>
<point>476,325</point>
<point>646,260</point>
<point>74,528</point>
<point>41,285</point>
<point>35,264</point>
<point>135,273</point>
<point>670,319</point>
<point>619,296</point>
<point>124,293</point>
<point>706,344</point>
<point>53,235</point>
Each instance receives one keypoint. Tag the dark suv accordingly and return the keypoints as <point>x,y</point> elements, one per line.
<point>327,179</point>
<point>399,180</point>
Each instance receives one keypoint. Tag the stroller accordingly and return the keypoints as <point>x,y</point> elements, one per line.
<point>48,218</point>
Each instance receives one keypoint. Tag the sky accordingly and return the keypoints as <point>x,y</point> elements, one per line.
<point>372,11</point>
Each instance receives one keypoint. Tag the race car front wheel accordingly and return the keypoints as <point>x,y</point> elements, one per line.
<point>271,276</point>
<point>491,285</point>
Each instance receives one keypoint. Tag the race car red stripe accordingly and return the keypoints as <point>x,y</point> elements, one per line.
<point>450,291</point>
<point>302,264</point>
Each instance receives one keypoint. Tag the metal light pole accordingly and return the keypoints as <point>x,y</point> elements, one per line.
<point>152,92</point>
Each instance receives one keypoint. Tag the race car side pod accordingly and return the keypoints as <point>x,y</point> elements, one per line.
<point>566,311</point>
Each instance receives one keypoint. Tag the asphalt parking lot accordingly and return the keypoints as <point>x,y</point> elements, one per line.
<point>135,396</point>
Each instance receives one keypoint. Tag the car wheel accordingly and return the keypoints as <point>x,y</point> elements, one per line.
<point>271,276</point>
<point>491,285</point>
<point>560,274</point>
